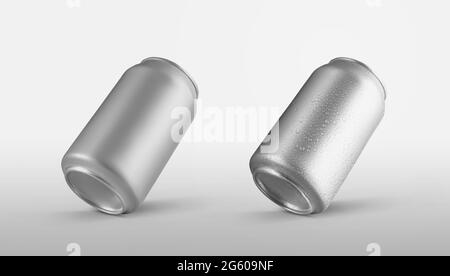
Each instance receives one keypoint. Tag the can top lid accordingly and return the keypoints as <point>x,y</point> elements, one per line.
<point>177,67</point>
<point>346,59</point>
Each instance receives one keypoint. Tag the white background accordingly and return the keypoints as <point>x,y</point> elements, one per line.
<point>59,60</point>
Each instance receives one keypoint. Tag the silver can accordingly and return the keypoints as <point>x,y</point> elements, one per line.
<point>116,159</point>
<point>320,137</point>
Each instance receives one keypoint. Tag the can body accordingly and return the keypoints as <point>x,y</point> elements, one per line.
<point>320,136</point>
<point>118,156</point>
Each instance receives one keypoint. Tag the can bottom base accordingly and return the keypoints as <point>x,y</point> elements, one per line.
<point>283,192</point>
<point>94,191</point>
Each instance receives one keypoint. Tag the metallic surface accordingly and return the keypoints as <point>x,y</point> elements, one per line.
<point>321,135</point>
<point>116,159</point>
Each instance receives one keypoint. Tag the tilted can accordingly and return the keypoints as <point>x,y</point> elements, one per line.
<point>320,136</point>
<point>116,159</point>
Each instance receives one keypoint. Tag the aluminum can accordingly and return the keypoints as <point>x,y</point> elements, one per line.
<point>320,136</point>
<point>118,156</point>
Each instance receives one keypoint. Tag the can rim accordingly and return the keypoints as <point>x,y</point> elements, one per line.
<point>99,180</point>
<point>282,202</point>
<point>179,68</point>
<point>347,59</point>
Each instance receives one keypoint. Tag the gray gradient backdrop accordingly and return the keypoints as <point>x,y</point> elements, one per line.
<point>59,59</point>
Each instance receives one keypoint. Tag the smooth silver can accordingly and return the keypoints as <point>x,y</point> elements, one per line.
<point>320,136</point>
<point>116,159</point>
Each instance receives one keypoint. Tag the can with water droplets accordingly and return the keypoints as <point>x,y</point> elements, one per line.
<point>117,158</point>
<point>320,136</point>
